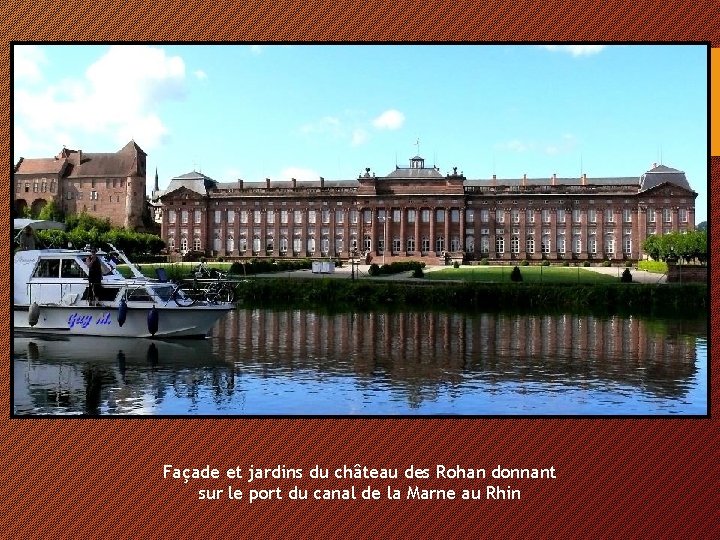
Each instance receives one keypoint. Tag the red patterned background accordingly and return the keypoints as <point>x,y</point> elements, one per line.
<point>616,478</point>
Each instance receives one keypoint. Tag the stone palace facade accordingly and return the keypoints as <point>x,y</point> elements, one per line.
<point>416,212</point>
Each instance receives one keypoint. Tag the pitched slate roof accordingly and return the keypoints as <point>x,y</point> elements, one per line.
<point>415,173</point>
<point>661,174</point>
<point>194,181</point>
<point>559,181</point>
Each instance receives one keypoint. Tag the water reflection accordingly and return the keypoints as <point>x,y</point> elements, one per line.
<point>296,362</point>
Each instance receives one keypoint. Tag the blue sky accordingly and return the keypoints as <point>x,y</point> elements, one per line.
<point>257,111</point>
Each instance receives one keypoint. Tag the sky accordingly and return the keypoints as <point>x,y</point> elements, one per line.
<point>305,111</point>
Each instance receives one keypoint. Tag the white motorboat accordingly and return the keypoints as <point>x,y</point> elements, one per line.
<point>51,296</point>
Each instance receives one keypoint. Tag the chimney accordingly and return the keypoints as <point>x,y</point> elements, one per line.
<point>554,177</point>
<point>294,183</point>
<point>524,179</point>
<point>584,179</point>
<point>494,182</point>
<point>240,181</point>
<point>322,182</point>
<point>654,165</point>
<point>267,183</point>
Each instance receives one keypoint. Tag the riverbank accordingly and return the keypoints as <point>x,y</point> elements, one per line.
<point>369,294</point>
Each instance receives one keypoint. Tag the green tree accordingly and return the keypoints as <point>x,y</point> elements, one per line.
<point>51,212</point>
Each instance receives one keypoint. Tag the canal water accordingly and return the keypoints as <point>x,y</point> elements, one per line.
<point>267,362</point>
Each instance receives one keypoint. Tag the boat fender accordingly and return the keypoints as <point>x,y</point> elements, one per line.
<point>33,314</point>
<point>152,321</point>
<point>122,312</point>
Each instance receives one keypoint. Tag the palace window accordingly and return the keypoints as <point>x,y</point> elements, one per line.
<point>311,245</point>
<point>183,244</point>
<point>297,245</point>
<point>470,243</point>
<point>545,244</point>
<point>530,245</point>
<point>683,214</point>
<point>561,215</point>
<point>339,216</point>
<point>242,247</point>
<point>484,244</point>
<point>367,216</point>
<point>229,243</point>
<point>396,245</point>
<point>197,216</point>
<point>609,215</point>
<point>367,243</point>
<point>455,215</point>
<point>560,244</point>
<point>592,215</point>
<point>396,215</point>
<point>499,245</point>
<point>184,216</point>
<point>270,217</point>
<point>470,215</point>
<point>283,244</point>
<point>171,216</point>
<point>353,216</point>
<point>411,215</point>
<point>425,245</point>
<point>410,244</point>
<point>216,216</point>
<point>577,244</point>
<point>440,216</point>
<point>484,215</point>
<point>197,245</point>
<point>499,216</point>
<point>627,244</point>
<point>284,217</point>
<point>515,216</point>
<point>455,243</point>
<point>439,243</point>
<point>257,216</point>
<point>514,245</point>
<point>545,215</point>
<point>530,216</point>
<point>381,245</point>
<point>231,217</point>
<point>627,215</point>
<point>311,216</point>
<point>325,215</point>
<point>576,215</point>
<point>667,218</point>
<point>592,244</point>
<point>609,244</point>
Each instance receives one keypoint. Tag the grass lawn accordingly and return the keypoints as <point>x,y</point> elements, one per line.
<point>530,274</point>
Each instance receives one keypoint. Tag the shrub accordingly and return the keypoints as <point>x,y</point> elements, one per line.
<point>653,266</point>
<point>566,263</point>
<point>626,276</point>
<point>606,264</point>
<point>374,270</point>
<point>628,264</point>
<point>456,264</point>
<point>515,275</point>
<point>418,272</point>
<point>545,263</point>
<point>484,262</point>
<point>525,263</point>
<point>586,263</point>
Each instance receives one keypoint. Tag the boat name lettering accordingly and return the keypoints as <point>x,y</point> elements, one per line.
<point>85,320</point>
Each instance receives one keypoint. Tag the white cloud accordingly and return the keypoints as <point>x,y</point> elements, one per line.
<point>576,50</point>
<point>359,136</point>
<point>27,62</point>
<point>390,119</point>
<point>118,98</point>
<point>200,74</point>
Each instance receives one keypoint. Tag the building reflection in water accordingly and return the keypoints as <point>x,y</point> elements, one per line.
<point>259,359</point>
<point>424,348</point>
